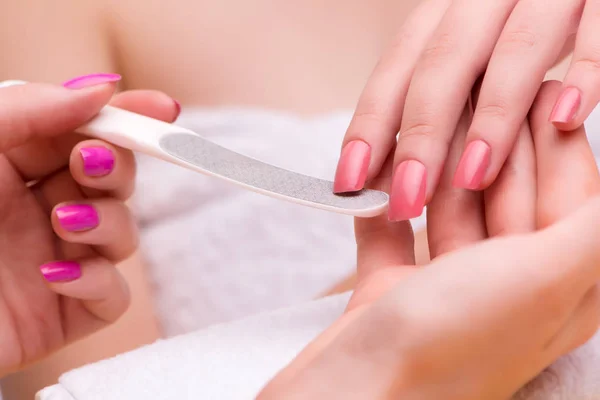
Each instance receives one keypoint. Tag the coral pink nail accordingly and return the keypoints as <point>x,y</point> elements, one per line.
<point>77,217</point>
<point>91,80</point>
<point>407,197</point>
<point>566,106</point>
<point>61,271</point>
<point>352,168</point>
<point>473,165</point>
<point>97,161</point>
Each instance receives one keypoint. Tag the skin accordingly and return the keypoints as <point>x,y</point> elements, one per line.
<point>442,50</point>
<point>78,37</point>
<point>518,288</point>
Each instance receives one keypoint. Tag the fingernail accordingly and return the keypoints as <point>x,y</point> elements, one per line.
<point>352,168</point>
<point>566,106</point>
<point>177,108</point>
<point>473,165</point>
<point>97,161</point>
<point>77,217</point>
<point>91,80</point>
<point>61,271</point>
<point>407,197</point>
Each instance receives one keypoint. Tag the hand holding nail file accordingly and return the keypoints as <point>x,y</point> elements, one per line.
<point>187,149</point>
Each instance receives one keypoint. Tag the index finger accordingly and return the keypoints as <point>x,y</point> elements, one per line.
<point>35,110</point>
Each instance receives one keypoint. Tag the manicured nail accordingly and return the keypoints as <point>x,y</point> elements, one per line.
<point>97,161</point>
<point>352,168</point>
<point>91,80</point>
<point>177,108</point>
<point>407,197</point>
<point>473,165</point>
<point>61,271</point>
<point>566,106</point>
<point>77,217</point>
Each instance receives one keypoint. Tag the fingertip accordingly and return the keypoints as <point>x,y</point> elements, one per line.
<point>566,109</point>
<point>94,281</point>
<point>151,103</point>
<point>98,165</point>
<point>352,168</point>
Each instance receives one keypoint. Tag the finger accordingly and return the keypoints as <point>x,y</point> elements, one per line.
<point>438,92</point>
<point>532,41</point>
<point>567,171</point>
<point>455,217</point>
<point>45,156</point>
<point>151,103</point>
<point>35,111</point>
<point>103,167</point>
<point>372,132</point>
<point>581,86</point>
<point>105,224</point>
<point>95,294</point>
<point>510,202</point>
<point>381,244</point>
<point>372,359</point>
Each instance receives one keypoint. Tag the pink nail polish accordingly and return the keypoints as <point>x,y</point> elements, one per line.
<point>97,161</point>
<point>77,217</point>
<point>566,106</point>
<point>91,80</point>
<point>352,168</point>
<point>473,165</point>
<point>407,197</point>
<point>61,271</point>
<point>177,108</point>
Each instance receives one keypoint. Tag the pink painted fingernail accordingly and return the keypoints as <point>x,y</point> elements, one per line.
<point>97,161</point>
<point>77,217</point>
<point>352,168</point>
<point>407,197</point>
<point>91,80</point>
<point>61,271</point>
<point>473,165</point>
<point>566,106</point>
<point>177,108</point>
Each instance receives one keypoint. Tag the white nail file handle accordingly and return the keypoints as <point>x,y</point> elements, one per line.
<point>185,148</point>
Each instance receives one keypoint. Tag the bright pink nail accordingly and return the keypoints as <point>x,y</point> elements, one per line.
<point>61,271</point>
<point>566,106</point>
<point>352,168</point>
<point>77,217</point>
<point>407,197</point>
<point>473,165</point>
<point>97,161</point>
<point>91,80</point>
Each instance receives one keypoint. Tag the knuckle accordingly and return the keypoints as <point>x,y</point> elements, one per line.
<point>498,110</point>
<point>418,130</point>
<point>438,52</point>
<point>422,138</point>
<point>523,39</point>
<point>590,63</point>
<point>370,110</point>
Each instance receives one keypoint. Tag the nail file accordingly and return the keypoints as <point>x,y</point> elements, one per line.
<point>183,147</point>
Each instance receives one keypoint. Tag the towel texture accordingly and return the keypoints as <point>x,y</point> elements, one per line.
<point>218,253</point>
<point>234,361</point>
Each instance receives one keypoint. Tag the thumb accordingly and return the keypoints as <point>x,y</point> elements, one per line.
<point>37,110</point>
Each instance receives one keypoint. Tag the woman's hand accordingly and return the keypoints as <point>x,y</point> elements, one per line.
<point>420,87</point>
<point>63,221</point>
<point>480,321</point>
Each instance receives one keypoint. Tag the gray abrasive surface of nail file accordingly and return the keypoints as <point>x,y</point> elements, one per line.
<point>282,183</point>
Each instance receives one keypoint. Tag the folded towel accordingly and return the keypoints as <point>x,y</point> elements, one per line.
<point>235,360</point>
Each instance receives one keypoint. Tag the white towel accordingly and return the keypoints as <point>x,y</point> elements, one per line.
<point>234,361</point>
